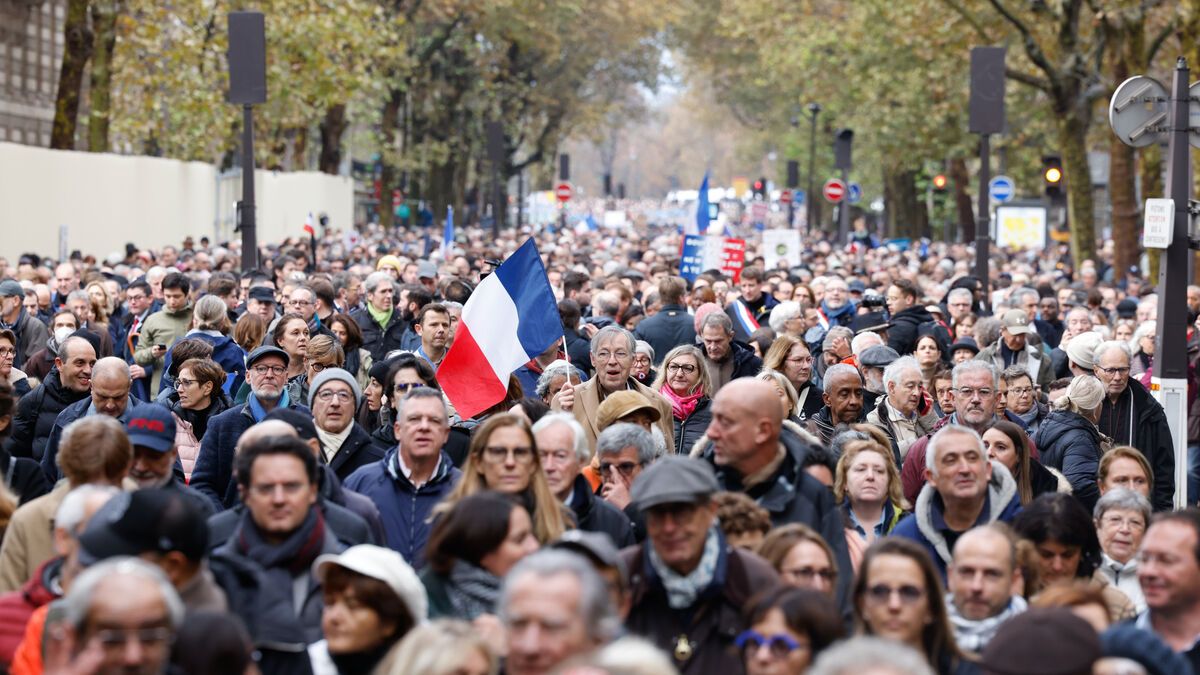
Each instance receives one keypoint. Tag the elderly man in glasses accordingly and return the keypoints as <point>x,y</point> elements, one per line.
<point>1131,416</point>
<point>266,370</point>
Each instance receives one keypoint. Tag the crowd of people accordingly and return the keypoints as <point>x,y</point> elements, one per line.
<point>863,461</point>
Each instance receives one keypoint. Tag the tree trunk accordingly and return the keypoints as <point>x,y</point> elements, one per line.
<point>104,27</point>
<point>332,128</point>
<point>1072,139</point>
<point>963,209</point>
<point>76,52</point>
<point>1122,187</point>
<point>906,214</point>
<point>389,122</point>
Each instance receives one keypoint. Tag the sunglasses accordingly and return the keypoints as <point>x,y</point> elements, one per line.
<point>779,645</point>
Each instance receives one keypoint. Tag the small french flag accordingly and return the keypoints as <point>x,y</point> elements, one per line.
<point>745,319</point>
<point>448,234</point>
<point>309,228</point>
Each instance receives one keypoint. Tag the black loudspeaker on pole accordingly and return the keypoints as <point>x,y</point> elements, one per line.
<point>986,109</point>
<point>247,58</point>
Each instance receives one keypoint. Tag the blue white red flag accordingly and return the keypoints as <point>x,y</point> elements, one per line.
<point>448,233</point>
<point>309,227</point>
<point>510,318</point>
<point>744,317</point>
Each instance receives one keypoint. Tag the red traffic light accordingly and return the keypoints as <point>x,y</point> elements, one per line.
<point>939,182</point>
<point>758,185</point>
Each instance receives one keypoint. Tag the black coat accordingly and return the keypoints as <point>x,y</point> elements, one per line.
<point>905,328</point>
<point>670,327</point>
<point>379,341</point>
<point>692,429</point>
<point>265,609</point>
<point>1071,444</point>
<point>1152,436</point>
<point>359,449</point>
<point>35,416</point>
<point>593,514</point>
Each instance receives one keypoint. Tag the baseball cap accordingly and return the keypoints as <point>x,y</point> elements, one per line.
<point>151,426</point>
<point>261,294</point>
<point>152,520</point>
<point>382,564</point>
<point>9,288</point>
<point>1126,309</point>
<point>426,270</point>
<point>672,480</point>
<point>621,404</point>
<point>856,286</point>
<point>266,350</point>
<point>1016,322</point>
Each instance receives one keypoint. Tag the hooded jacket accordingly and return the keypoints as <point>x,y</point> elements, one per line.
<point>905,328</point>
<point>1071,444</point>
<point>927,525</point>
<point>36,413</point>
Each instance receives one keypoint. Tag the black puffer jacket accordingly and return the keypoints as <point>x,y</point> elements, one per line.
<point>905,328</point>
<point>36,414</point>
<point>692,429</point>
<point>1071,444</point>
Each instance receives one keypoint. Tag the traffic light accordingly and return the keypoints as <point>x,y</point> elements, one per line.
<point>939,183</point>
<point>760,188</point>
<point>1052,175</point>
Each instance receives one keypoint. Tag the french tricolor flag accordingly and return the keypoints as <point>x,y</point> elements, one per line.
<point>509,319</point>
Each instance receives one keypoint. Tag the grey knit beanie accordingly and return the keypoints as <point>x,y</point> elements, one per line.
<point>329,374</point>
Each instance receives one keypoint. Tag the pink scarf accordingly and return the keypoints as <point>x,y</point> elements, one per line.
<point>681,406</point>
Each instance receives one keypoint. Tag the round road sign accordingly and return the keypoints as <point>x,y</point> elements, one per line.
<point>785,196</point>
<point>563,192</point>
<point>834,190</point>
<point>1001,189</point>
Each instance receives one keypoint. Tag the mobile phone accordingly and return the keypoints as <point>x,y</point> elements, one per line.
<point>163,347</point>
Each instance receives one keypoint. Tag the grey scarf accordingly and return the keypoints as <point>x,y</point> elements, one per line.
<point>473,590</point>
<point>973,636</point>
<point>682,590</point>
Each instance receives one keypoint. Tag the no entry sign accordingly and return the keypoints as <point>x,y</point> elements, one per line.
<point>834,190</point>
<point>563,192</point>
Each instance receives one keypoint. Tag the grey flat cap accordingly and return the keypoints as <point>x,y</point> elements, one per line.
<point>673,480</point>
<point>879,356</point>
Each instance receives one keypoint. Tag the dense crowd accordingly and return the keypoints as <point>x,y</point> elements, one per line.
<point>864,460</point>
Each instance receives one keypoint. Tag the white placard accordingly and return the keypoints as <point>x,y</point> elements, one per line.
<point>614,219</point>
<point>1158,228</point>
<point>781,245</point>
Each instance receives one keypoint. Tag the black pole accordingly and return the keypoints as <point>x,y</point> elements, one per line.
<point>814,109</point>
<point>983,225</point>
<point>844,211</point>
<point>520,199</point>
<point>246,213</point>
<point>1170,359</point>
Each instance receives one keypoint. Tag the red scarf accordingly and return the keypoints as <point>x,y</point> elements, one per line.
<point>681,406</point>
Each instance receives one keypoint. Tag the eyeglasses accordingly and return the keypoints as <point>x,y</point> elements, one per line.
<point>1113,371</point>
<point>318,367</point>
<point>496,454</point>
<point>806,574</point>
<point>779,645</point>
<point>115,638</point>
<point>274,370</point>
<point>685,367</point>
<point>803,360</point>
<point>624,468</point>
<point>970,392</point>
<point>1020,391</point>
<point>882,593</point>
<point>7,353</point>
<point>327,395</point>
<point>604,356</point>
<point>299,303</point>
<point>184,382</point>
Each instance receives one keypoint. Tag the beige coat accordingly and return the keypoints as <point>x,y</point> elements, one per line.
<point>587,404</point>
<point>29,540</point>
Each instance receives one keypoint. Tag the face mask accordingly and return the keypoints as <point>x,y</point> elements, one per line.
<point>61,334</point>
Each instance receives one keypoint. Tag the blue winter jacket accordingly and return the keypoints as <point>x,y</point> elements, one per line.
<point>226,353</point>
<point>405,509</point>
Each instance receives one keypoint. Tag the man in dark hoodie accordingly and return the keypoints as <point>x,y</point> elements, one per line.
<point>907,316</point>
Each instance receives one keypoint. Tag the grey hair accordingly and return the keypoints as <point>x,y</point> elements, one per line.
<point>1146,328</point>
<point>623,435</point>
<point>959,292</point>
<point>78,600</point>
<point>604,334</point>
<point>79,295</point>
<point>1123,499</point>
<point>1104,347</point>
<point>832,372</point>
<point>595,603</point>
<point>859,654</point>
<point>939,438</point>
<point>901,365</point>
<point>421,392</point>
<point>643,347</point>
<point>784,312</point>
<point>1014,299</point>
<point>210,313</point>
<point>70,512</point>
<point>450,304</point>
<point>375,279</point>
<point>833,334</point>
<point>552,371</point>
<point>974,366</point>
<point>718,320</point>
<point>859,343</point>
<point>606,303</point>
<point>582,451</point>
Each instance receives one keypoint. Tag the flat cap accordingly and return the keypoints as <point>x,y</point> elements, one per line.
<point>1043,641</point>
<point>10,288</point>
<point>879,356</point>
<point>261,294</point>
<point>266,350</point>
<point>674,480</point>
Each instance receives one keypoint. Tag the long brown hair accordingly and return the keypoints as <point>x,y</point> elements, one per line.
<point>937,637</point>
<point>1021,445</point>
<point>549,521</point>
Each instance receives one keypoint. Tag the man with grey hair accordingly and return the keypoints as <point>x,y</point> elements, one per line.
<point>110,396</point>
<point>379,320</point>
<point>958,305</point>
<point>1131,416</point>
<point>605,306</point>
<point>843,398</point>
<point>612,351</point>
<point>562,443</point>
<point>110,605</point>
<point>964,490</point>
<point>871,656</point>
<point>554,605</point>
<point>898,413</point>
<point>624,450</point>
<point>725,358</point>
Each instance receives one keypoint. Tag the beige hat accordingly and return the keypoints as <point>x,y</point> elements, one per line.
<point>621,404</point>
<point>1082,349</point>
<point>1016,322</point>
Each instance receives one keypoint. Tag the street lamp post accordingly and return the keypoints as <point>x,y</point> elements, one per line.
<point>813,109</point>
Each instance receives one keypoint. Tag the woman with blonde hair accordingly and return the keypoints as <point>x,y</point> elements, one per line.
<point>867,485</point>
<point>1068,440</point>
<point>684,382</point>
<point>783,389</point>
<point>504,457</point>
<point>441,647</point>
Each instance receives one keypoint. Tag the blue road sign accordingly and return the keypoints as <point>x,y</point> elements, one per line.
<point>1001,189</point>
<point>855,193</point>
<point>798,197</point>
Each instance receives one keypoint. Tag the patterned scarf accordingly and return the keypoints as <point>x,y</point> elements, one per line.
<point>682,590</point>
<point>682,407</point>
<point>973,636</point>
<point>294,556</point>
<point>473,590</point>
